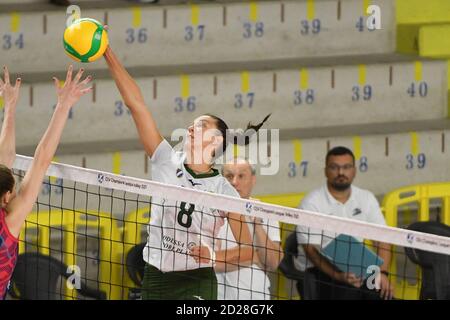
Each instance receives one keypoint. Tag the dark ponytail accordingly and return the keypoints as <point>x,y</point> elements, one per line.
<point>238,137</point>
<point>7,181</point>
<point>243,138</point>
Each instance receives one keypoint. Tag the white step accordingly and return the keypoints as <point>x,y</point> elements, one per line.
<point>310,104</point>
<point>222,33</point>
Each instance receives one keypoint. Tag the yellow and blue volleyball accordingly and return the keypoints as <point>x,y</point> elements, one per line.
<point>85,40</point>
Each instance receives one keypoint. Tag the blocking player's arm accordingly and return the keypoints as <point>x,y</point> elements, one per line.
<point>224,264</point>
<point>269,252</point>
<point>132,96</point>
<point>19,208</point>
<point>240,256</point>
<point>10,95</point>
<point>243,254</point>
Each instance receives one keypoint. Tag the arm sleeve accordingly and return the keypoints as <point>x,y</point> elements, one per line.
<point>163,153</point>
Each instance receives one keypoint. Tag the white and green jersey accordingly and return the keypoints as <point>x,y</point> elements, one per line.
<point>176,226</point>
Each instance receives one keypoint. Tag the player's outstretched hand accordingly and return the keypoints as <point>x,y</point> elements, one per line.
<point>72,89</point>
<point>9,93</point>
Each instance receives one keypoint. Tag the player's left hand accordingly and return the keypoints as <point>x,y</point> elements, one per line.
<point>201,254</point>
<point>72,89</point>
<point>9,93</point>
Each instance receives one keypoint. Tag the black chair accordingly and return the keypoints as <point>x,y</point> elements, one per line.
<point>287,266</point>
<point>135,269</point>
<point>36,277</point>
<point>435,267</point>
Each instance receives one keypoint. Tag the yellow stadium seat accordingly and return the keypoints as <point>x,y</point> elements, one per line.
<point>134,223</point>
<point>70,222</point>
<point>421,195</point>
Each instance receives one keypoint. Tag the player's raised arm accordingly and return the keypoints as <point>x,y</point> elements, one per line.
<point>241,255</point>
<point>68,95</point>
<point>132,96</point>
<point>10,95</point>
<point>241,233</point>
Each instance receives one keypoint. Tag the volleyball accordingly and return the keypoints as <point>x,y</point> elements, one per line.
<point>85,40</point>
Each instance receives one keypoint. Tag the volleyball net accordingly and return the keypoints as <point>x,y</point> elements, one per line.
<point>86,236</point>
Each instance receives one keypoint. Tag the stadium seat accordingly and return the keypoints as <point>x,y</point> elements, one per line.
<point>43,285</point>
<point>435,267</point>
<point>110,249</point>
<point>287,266</point>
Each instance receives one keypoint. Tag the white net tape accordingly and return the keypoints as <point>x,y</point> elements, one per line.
<point>401,237</point>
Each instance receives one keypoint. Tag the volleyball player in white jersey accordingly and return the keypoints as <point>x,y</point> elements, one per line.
<point>181,236</point>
